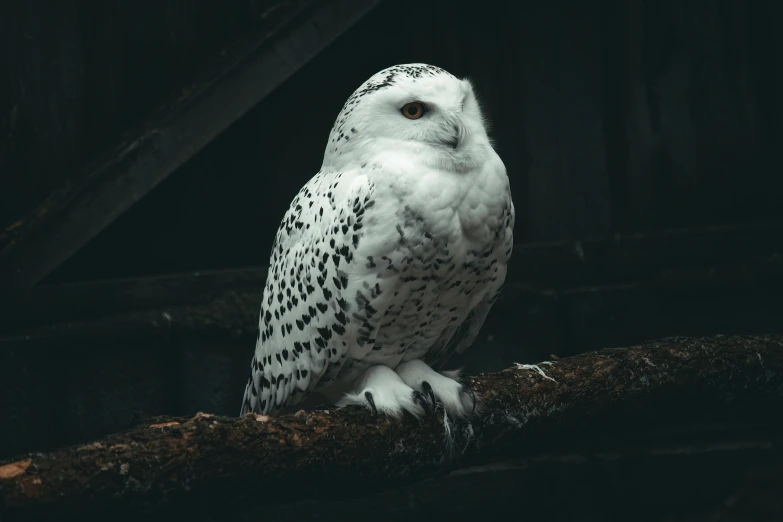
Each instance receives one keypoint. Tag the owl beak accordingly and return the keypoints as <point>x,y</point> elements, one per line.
<point>460,133</point>
<point>454,132</point>
<point>454,142</point>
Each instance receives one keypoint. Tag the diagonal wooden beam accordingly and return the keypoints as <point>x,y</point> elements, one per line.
<point>69,217</point>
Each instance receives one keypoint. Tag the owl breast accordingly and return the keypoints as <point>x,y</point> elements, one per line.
<point>438,261</point>
<point>468,206</point>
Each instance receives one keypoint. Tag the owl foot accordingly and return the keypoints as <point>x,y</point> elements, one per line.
<point>442,389</point>
<point>382,391</point>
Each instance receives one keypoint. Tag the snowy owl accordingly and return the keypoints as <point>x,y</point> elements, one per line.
<point>389,259</point>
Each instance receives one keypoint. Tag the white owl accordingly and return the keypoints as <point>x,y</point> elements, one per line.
<point>390,257</point>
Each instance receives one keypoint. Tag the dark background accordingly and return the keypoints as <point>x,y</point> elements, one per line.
<point>642,140</point>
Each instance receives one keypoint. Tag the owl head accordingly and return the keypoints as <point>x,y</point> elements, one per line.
<point>411,108</point>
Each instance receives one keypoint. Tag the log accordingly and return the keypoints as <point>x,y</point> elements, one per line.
<point>670,388</point>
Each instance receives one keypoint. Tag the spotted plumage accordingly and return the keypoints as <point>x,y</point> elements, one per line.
<point>389,259</point>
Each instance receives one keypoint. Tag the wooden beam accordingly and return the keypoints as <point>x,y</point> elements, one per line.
<point>635,396</point>
<point>296,31</point>
<point>656,260</point>
<point>65,302</point>
<point>640,256</point>
<point>729,298</point>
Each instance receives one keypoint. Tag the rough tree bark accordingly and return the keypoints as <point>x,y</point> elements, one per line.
<point>623,396</point>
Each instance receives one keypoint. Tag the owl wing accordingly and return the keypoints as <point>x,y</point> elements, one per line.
<point>457,339</point>
<point>320,299</point>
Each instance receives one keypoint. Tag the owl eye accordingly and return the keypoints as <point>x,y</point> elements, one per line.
<point>413,110</point>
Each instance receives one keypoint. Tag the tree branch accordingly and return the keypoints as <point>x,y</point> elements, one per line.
<point>623,396</point>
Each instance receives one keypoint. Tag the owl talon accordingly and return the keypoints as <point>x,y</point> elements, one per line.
<point>381,391</point>
<point>422,400</point>
<point>371,401</point>
<point>442,390</point>
<point>430,394</point>
<point>472,398</point>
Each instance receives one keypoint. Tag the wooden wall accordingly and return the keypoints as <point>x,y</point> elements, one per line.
<point>612,117</point>
<point>80,73</point>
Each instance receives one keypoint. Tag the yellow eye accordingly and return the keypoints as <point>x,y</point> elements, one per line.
<point>413,110</point>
